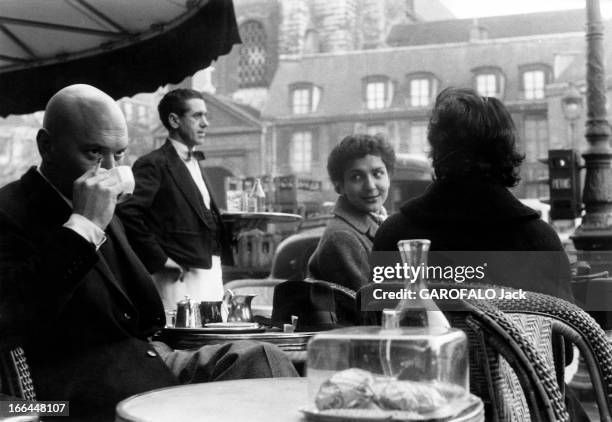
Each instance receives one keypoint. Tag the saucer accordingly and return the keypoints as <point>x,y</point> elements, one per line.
<point>232,325</point>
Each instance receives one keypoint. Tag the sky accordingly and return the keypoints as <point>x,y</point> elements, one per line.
<point>477,8</point>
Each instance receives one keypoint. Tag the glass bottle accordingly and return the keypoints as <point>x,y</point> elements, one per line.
<point>260,195</point>
<point>417,308</point>
<point>252,198</point>
<point>244,197</point>
<point>244,201</point>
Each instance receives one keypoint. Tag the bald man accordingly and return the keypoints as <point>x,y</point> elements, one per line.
<point>73,292</point>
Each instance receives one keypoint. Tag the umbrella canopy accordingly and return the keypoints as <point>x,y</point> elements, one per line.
<point>122,47</point>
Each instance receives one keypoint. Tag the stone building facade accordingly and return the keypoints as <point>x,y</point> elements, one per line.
<point>275,31</point>
<point>318,70</point>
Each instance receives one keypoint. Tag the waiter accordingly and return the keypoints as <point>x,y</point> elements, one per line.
<point>172,220</point>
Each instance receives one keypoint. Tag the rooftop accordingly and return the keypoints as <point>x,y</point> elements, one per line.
<point>458,30</point>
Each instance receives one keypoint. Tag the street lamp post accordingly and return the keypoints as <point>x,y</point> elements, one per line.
<point>571,105</point>
<point>594,236</point>
<point>595,232</point>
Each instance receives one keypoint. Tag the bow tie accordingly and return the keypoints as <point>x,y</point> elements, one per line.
<point>196,155</point>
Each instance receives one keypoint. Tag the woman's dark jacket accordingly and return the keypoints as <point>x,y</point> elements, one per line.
<point>477,216</point>
<point>343,253</point>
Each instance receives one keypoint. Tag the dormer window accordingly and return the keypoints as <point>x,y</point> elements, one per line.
<point>378,92</point>
<point>489,82</point>
<point>304,98</point>
<point>486,84</point>
<point>421,89</point>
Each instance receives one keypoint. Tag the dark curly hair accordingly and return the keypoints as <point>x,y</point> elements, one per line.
<point>174,102</point>
<point>473,137</point>
<point>355,146</point>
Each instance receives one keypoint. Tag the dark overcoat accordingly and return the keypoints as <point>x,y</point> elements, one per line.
<point>83,320</point>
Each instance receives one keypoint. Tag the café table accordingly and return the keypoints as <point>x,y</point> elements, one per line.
<point>253,400</point>
<point>254,237</point>
<point>257,218</point>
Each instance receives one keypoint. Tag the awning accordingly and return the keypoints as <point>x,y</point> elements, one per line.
<point>120,46</point>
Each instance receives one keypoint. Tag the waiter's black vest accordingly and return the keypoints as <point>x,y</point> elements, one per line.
<point>213,220</point>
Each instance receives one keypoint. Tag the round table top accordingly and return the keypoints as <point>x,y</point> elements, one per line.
<point>250,400</point>
<point>277,217</point>
<point>253,400</point>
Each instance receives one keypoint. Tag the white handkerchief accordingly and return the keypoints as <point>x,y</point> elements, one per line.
<point>126,178</point>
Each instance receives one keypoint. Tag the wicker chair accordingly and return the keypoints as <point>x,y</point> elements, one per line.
<point>568,324</point>
<point>319,305</point>
<point>15,379</point>
<point>514,379</point>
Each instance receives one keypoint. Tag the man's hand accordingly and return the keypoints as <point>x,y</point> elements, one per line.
<point>94,196</point>
<point>171,270</point>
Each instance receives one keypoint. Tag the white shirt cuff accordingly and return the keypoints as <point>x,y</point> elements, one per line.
<point>86,229</point>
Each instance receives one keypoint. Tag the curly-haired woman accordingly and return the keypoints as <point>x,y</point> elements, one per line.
<point>359,167</point>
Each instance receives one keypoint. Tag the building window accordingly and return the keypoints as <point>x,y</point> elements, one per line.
<point>377,129</point>
<point>536,138</point>
<point>418,138</point>
<point>416,143</point>
<point>489,82</point>
<point>375,95</point>
<point>252,55</point>
<point>422,89</point>
<point>300,100</point>
<point>419,92</point>
<point>486,85</point>
<point>378,92</point>
<point>311,42</point>
<point>301,152</point>
<point>304,98</point>
<point>533,81</point>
